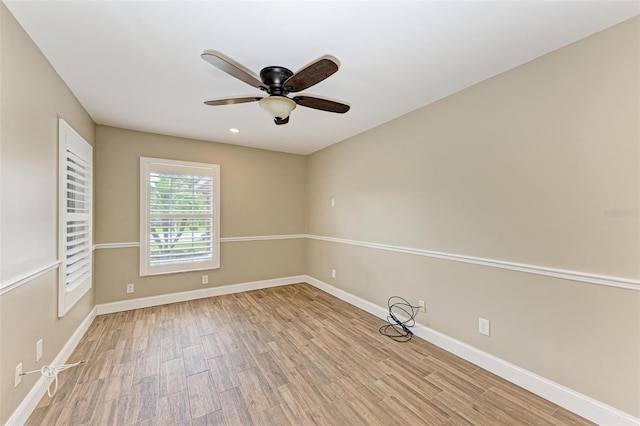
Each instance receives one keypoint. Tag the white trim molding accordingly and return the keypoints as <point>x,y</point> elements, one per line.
<point>116,245</point>
<point>133,244</point>
<point>30,402</point>
<point>163,299</point>
<point>262,238</point>
<point>16,282</point>
<point>560,395</point>
<point>626,283</point>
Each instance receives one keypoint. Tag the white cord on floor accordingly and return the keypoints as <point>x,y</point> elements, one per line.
<point>52,372</point>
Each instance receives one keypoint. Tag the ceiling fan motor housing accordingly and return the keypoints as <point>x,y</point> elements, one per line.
<point>274,78</point>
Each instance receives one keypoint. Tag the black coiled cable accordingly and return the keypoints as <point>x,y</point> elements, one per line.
<point>396,329</point>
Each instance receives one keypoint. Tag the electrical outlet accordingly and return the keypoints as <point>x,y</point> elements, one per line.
<point>423,307</point>
<point>38,350</point>
<point>205,279</point>
<point>130,288</point>
<point>333,273</point>
<point>18,378</point>
<point>484,326</point>
<point>333,202</point>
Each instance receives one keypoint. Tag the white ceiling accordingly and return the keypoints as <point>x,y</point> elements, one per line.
<point>137,65</point>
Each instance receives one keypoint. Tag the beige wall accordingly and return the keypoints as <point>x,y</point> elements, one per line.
<point>33,97</point>
<point>524,168</point>
<point>262,193</point>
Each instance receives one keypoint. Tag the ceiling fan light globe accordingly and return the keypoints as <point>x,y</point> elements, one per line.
<point>277,106</point>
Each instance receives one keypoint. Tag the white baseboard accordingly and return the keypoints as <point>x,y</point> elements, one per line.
<point>562,396</point>
<point>163,299</point>
<point>30,402</point>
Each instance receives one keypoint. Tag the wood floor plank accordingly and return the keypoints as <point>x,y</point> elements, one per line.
<point>143,399</point>
<point>108,340</point>
<point>314,391</point>
<point>255,392</point>
<point>46,415</point>
<point>172,377</point>
<point>212,345</point>
<point>80,407</point>
<point>271,416</point>
<point>234,407</point>
<point>253,342</point>
<point>419,402</point>
<point>173,409</point>
<point>271,370</point>
<point>284,355</point>
<point>449,380</point>
<point>518,410</point>
<point>400,411</point>
<point>98,368</point>
<point>126,350</point>
<point>240,360</point>
<point>453,406</point>
<point>151,340</point>
<point>361,386</point>
<point>223,378</point>
<point>527,398</point>
<point>147,363</point>
<point>194,360</point>
<point>111,412</point>
<point>395,365</point>
<point>119,381</point>
<point>170,347</point>
<point>203,398</point>
<point>215,418</point>
<point>568,418</point>
<point>284,352</point>
<point>190,336</point>
<point>371,412</point>
<point>295,403</point>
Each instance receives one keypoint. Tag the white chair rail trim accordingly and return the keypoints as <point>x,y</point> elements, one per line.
<point>13,283</point>
<point>584,277</point>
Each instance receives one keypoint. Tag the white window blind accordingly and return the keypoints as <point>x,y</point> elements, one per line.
<point>179,216</point>
<point>75,212</point>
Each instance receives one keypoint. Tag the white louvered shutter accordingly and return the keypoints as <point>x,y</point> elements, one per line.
<point>76,211</point>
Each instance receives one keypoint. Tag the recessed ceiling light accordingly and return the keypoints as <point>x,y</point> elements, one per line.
<point>234,130</point>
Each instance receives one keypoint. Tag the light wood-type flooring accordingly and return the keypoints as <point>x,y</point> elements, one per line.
<point>290,355</point>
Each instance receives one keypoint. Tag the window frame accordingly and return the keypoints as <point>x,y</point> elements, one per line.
<point>150,165</point>
<point>70,140</point>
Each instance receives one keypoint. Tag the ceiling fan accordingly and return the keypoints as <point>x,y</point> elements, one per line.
<point>278,82</point>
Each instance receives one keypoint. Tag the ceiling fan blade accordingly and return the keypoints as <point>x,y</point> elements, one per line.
<point>321,104</point>
<point>312,74</point>
<point>232,101</point>
<point>282,121</point>
<point>232,68</point>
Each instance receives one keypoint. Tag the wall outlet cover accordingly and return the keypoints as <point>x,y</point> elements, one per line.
<point>39,350</point>
<point>18,377</point>
<point>484,326</point>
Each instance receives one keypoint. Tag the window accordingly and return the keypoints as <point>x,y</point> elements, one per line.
<point>75,217</point>
<point>179,216</point>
